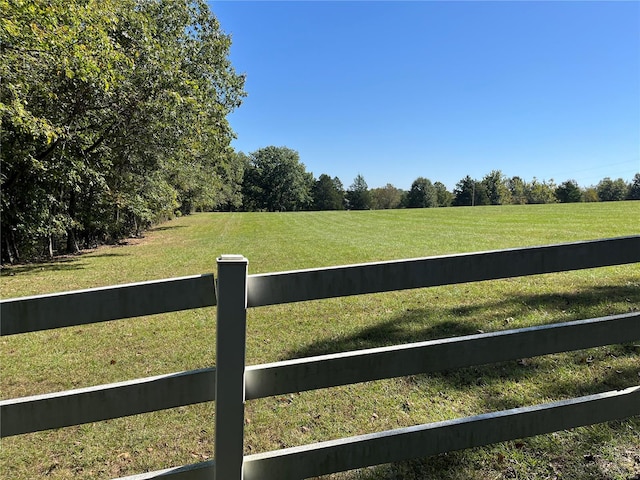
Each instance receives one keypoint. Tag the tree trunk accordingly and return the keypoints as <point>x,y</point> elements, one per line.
<point>8,250</point>
<point>50,246</point>
<point>12,248</point>
<point>72,241</point>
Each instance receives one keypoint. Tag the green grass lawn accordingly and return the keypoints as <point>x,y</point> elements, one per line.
<point>121,350</point>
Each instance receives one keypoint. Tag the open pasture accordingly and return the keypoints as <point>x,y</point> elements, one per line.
<point>121,350</point>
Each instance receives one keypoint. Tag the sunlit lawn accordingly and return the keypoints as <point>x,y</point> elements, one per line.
<point>95,354</point>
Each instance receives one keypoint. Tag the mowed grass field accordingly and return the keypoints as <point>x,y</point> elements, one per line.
<point>121,350</point>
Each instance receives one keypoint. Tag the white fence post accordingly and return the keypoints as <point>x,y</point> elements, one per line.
<point>230,364</point>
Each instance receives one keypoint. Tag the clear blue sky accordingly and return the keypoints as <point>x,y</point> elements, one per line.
<point>398,90</point>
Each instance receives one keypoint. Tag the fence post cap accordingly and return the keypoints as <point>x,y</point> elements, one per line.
<point>231,258</point>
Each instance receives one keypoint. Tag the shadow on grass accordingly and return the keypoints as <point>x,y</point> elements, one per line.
<point>56,265</point>
<point>495,387</point>
<point>582,375</point>
<point>423,324</point>
<point>108,255</point>
<point>537,458</point>
<point>559,302</point>
<point>166,227</point>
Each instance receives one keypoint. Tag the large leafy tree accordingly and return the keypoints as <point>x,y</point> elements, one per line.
<point>612,190</point>
<point>445,197</point>
<point>496,187</point>
<point>113,116</point>
<point>517,190</point>
<point>58,66</point>
<point>386,197</point>
<point>275,180</point>
<point>422,194</point>
<point>540,191</point>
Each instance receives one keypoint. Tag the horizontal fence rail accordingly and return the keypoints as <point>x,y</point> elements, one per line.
<point>231,382</point>
<point>431,439</point>
<point>436,355</point>
<point>196,471</point>
<point>420,441</point>
<point>80,307</point>
<point>314,284</point>
<point>104,402</point>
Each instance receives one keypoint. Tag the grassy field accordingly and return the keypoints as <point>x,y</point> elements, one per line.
<point>114,351</point>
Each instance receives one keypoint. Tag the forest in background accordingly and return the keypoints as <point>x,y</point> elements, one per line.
<point>274,179</point>
<point>114,118</point>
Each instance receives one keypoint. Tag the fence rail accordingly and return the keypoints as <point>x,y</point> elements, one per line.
<point>436,355</point>
<point>230,383</point>
<point>104,402</point>
<point>314,284</point>
<point>440,437</point>
<point>81,307</point>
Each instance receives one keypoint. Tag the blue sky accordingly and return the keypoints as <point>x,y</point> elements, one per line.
<point>398,90</point>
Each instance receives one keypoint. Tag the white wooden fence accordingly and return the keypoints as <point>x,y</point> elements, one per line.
<point>230,382</point>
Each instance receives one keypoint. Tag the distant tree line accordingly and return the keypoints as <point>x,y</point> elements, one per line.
<point>275,180</point>
<point>114,118</point>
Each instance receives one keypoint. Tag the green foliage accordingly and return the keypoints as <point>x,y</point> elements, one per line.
<point>517,190</point>
<point>568,192</point>
<point>612,190</point>
<point>540,192</point>
<point>464,192</point>
<point>445,197</point>
<point>327,193</point>
<point>422,194</point>
<point>386,197</point>
<point>590,194</point>
<point>276,181</point>
<point>496,187</point>
<point>113,117</point>
<point>358,195</point>
<point>634,188</point>
<point>470,192</point>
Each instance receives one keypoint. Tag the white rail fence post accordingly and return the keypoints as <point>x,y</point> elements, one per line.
<point>230,364</point>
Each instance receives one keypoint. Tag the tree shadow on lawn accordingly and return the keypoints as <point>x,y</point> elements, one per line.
<point>417,325</point>
<point>490,380</point>
<point>495,387</point>
<point>165,228</point>
<point>55,265</point>
<point>573,455</point>
<point>496,384</point>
